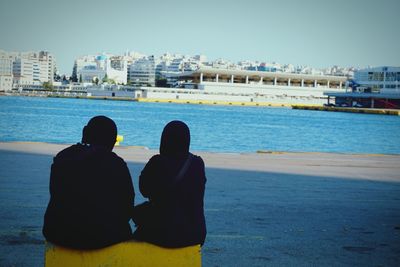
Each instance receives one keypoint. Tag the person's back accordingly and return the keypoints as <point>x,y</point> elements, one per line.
<point>91,198</point>
<point>177,202</point>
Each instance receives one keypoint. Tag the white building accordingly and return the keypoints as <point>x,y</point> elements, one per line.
<point>23,71</point>
<point>47,66</point>
<point>6,82</point>
<point>161,67</point>
<point>379,79</point>
<point>181,64</point>
<point>223,64</point>
<point>33,67</point>
<point>89,68</point>
<point>223,81</point>
<point>377,87</point>
<point>117,69</point>
<point>6,75</point>
<point>89,73</point>
<point>142,72</point>
<point>5,65</point>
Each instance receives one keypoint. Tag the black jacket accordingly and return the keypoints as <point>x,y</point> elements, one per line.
<point>179,219</point>
<point>91,199</point>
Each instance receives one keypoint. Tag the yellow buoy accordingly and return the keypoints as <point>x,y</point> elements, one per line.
<point>120,138</point>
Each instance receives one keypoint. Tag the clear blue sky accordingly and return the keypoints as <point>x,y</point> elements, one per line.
<point>319,33</point>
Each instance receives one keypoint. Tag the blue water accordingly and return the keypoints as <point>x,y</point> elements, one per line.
<point>213,128</point>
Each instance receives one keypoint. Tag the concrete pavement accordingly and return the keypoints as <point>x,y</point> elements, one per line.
<point>271,209</point>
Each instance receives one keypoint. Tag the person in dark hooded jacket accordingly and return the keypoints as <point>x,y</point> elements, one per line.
<point>91,192</point>
<point>175,214</point>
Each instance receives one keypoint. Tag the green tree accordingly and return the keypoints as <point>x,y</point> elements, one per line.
<point>105,79</point>
<point>95,80</point>
<point>161,82</point>
<point>74,76</point>
<point>80,78</point>
<point>48,86</point>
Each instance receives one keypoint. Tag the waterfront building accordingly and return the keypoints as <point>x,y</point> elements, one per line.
<point>79,64</point>
<point>142,72</point>
<point>90,68</point>
<point>181,64</point>
<point>161,67</point>
<point>33,67</point>
<point>377,87</point>
<point>275,88</point>
<point>6,74</point>
<point>379,79</point>
<point>47,66</point>
<point>117,69</point>
<point>6,64</point>
<point>131,57</point>
<point>6,82</point>
<point>25,71</point>
<point>90,73</point>
<point>261,82</point>
<point>162,64</point>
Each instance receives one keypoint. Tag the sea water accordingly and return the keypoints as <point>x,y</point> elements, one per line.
<point>213,128</point>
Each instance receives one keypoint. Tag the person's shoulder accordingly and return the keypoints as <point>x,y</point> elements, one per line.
<point>155,160</point>
<point>199,160</point>
<point>116,159</point>
<point>69,151</point>
<point>155,157</point>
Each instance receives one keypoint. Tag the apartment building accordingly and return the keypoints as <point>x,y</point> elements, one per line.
<point>142,72</point>
<point>6,75</point>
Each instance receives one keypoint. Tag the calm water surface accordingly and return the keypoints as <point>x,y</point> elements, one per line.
<point>213,128</point>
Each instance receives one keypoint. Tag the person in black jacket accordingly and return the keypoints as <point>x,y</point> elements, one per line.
<point>91,192</point>
<point>174,215</point>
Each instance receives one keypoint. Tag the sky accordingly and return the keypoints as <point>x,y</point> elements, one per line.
<point>317,33</point>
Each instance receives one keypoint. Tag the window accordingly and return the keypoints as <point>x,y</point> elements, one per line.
<point>391,76</point>
<point>375,76</point>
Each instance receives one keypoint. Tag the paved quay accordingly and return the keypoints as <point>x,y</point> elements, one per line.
<point>262,209</point>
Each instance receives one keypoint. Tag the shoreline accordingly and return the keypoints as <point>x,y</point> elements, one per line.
<point>260,151</point>
<point>353,166</point>
<point>310,107</point>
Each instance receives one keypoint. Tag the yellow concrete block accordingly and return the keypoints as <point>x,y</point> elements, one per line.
<point>131,253</point>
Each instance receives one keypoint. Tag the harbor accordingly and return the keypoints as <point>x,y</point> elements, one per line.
<point>255,128</point>
<point>377,111</point>
<point>372,91</point>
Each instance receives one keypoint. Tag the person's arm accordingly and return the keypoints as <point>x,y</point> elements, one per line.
<point>147,178</point>
<point>56,186</point>
<point>130,191</point>
<point>52,184</point>
<point>127,191</point>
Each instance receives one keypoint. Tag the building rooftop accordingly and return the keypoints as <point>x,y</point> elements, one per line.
<point>266,74</point>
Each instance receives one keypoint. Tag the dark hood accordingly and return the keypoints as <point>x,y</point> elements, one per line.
<point>100,131</point>
<point>175,140</point>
